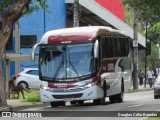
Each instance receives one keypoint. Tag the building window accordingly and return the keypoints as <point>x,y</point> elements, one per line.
<point>9,45</point>
<point>27,41</point>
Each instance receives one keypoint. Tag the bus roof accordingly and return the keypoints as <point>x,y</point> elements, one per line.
<point>78,34</point>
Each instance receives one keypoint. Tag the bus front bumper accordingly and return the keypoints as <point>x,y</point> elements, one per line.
<point>91,93</point>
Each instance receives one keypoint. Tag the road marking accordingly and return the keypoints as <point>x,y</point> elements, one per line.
<point>136,105</point>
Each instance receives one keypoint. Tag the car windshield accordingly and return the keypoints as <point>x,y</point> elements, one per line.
<point>66,61</point>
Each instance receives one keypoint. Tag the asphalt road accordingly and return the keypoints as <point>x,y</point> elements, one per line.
<point>135,104</point>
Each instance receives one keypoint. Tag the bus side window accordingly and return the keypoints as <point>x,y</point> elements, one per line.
<point>119,53</point>
<point>123,50</point>
<point>127,46</point>
<point>109,47</point>
<point>114,47</point>
<point>103,47</point>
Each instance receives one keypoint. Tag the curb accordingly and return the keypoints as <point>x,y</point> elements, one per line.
<point>27,106</point>
<point>5,108</point>
<point>11,108</point>
<point>139,90</point>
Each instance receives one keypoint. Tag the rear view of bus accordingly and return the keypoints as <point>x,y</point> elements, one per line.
<point>71,67</point>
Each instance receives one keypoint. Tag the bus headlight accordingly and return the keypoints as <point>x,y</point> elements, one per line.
<point>89,85</point>
<point>44,87</point>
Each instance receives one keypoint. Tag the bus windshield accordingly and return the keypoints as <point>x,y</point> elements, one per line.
<point>66,61</point>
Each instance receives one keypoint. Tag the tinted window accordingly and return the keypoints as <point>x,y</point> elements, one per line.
<point>106,47</point>
<point>123,50</point>
<point>9,45</point>
<point>118,45</point>
<point>33,72</point>
<point>27,41</point>
<point>114,47</point>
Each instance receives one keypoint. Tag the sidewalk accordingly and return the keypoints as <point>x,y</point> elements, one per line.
<point>17,104</point>
<point>143,88</point>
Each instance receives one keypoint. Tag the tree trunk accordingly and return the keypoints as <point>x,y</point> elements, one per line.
<point>13,13</point>
<point>4,36</point>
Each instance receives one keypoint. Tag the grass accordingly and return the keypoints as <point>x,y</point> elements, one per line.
<point>33,96</point>
<point>132,91</point>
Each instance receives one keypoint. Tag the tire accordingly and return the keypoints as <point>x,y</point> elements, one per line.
<point>101,101</point>
<point>120,96</point>
<point>24,84</point>
<point>56,104</point>
<point>112,99</point>
<point>155,97</point>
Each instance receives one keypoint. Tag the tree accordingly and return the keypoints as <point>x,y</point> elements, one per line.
<point>146,8</point>
<point>148,11</point>
<point>10,12</point>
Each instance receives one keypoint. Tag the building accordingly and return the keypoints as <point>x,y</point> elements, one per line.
<point>92,12</point>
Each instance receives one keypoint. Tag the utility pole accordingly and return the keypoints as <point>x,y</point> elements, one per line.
<point>76,13</point>
<point>146,55</point>
<point>135,46</point>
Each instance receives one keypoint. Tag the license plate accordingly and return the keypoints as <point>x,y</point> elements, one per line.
<point>68,99</point>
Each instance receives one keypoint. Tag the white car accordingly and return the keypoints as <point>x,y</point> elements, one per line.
<point>29,78</point>
<point>156,87</point>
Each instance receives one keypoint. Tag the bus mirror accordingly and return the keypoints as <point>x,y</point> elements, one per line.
<point>96,49</point>
<point>33,51</point>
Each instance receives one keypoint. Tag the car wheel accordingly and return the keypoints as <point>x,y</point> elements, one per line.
<point>155,97</point>
<point>24,84</point>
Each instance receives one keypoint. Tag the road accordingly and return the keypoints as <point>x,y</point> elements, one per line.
<point>133,102</point>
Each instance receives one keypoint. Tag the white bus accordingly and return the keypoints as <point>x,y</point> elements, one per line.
<point>84,63</point>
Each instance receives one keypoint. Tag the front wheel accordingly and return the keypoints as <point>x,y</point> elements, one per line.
<point>112,99</point>
<point>120,96</point>
<point>155,97</point>
<point>101,101</point>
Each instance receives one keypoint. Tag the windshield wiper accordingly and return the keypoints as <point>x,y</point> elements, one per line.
<point>58,69</point>
<point>74,69</point>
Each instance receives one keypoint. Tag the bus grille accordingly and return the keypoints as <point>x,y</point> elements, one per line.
<point>68,96</point>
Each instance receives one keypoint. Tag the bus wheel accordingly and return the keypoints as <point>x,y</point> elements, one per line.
<point>112,99</point>
<point>100,101</point>
<point>120,96</point>
<point>56,104</point>
<point>155,97</point>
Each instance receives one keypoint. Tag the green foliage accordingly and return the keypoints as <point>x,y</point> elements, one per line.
<point>33,96</point>
<point>132,90</point>
<point>6,3</point>
<point>34,6</point>
<point>129,19</point>
<point>37,5</point>
<point>156,29</point>
<point>146,8</point>
<point>154,55</point>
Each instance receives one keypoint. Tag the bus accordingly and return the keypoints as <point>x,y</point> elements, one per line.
<point>83,63</point>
